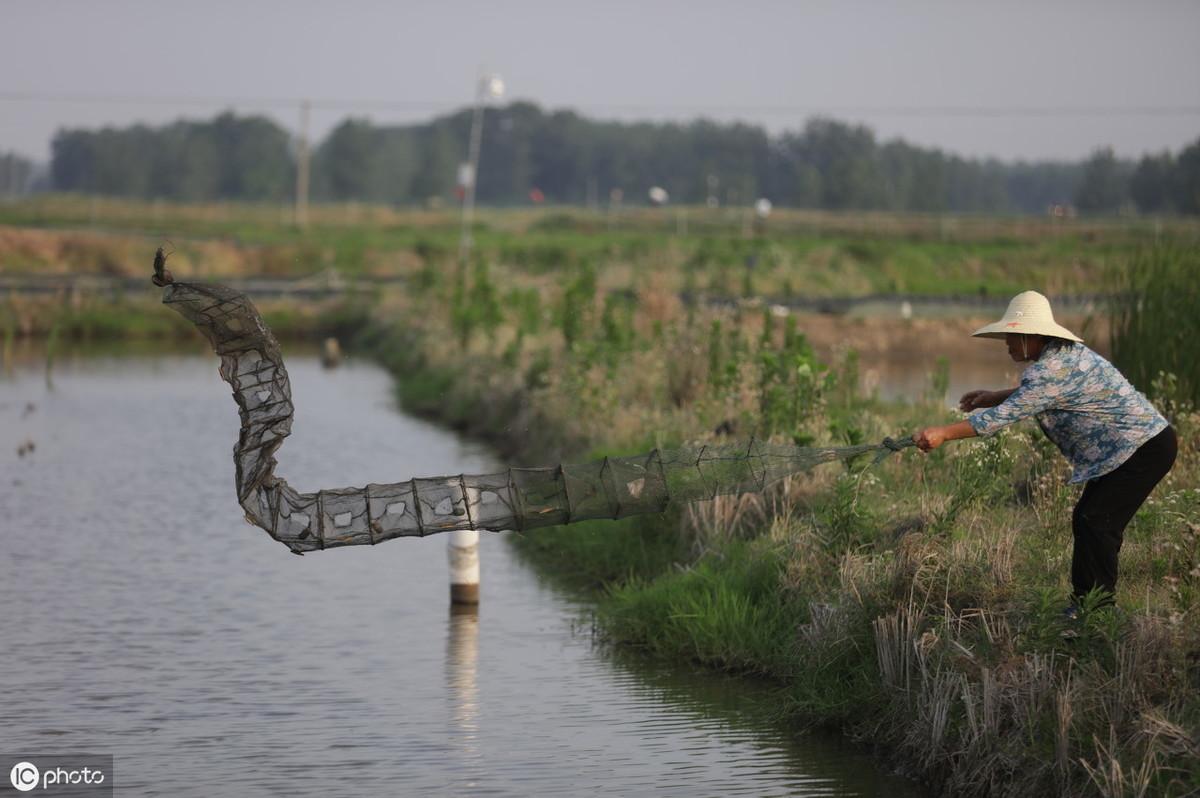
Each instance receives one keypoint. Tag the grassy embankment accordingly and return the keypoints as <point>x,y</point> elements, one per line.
<point>917,604</point>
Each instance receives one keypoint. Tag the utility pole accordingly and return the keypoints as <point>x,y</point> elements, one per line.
<point>489,87</point>
<point>462,549</point>
<point>302,169</point>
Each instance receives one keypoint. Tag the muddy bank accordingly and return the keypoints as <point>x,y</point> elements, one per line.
<point>903,358</point>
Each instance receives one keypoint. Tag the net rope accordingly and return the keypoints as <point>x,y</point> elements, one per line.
<point>512,499</point>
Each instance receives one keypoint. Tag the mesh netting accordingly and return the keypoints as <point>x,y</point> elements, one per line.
<point>517,498</point>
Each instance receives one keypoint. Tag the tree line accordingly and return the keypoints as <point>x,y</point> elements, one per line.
<point>17,175</point>
<point>562,157</point>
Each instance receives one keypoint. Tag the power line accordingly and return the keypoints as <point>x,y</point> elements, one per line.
<point>945,111</point>
<point>937,110</point>
<point>274,102</point>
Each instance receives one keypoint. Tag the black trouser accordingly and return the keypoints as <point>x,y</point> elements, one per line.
<point>1107,506</point>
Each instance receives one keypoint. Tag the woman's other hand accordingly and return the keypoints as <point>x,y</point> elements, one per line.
<point>930,438</point>
<point>973,400</point>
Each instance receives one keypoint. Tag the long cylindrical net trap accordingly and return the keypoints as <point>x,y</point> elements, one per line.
<point>513,499</point>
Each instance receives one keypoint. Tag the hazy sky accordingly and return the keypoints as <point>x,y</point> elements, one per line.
<point>976,78</point>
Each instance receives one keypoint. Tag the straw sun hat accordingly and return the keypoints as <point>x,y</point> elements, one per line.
<point>1028,313</point>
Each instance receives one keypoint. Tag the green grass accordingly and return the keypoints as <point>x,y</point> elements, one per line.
<point>593,555</point>
<point>799,254</point>
<point>148,319</point>
<point>724,610</point>
<point>1156,322</point>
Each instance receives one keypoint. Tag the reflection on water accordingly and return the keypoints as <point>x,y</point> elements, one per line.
<point>462,663</point>
<point>907,376</point>
<point>144,618</point>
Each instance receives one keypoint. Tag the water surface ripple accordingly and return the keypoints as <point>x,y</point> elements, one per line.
<point>143,618</point>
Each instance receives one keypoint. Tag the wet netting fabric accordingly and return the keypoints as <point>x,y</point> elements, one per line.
<point>513,499</point>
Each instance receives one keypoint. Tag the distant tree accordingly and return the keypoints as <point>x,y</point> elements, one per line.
<point>256,158</point>
<point>72,159</point>
<point>361,162</point>
<point>917,179</point>
<point>572,159</point>
<point>617,152</point>
<point>559,156</point>
<point>1104,186</point>
<point>1186,182</point>
<point>396,163</point>
<point>1032,187</point>
<point>847,159</point>
<point>188,163</point>
<point>127,167</point>
<point>16,175</point>
<point>1152,183</point>
<point>345,160</point>
<point>228,158</point>
<point>509,157</point>
<point>913,179</point>
<point>791,180</point>
<point>442,150</point>
<point>736,155</point>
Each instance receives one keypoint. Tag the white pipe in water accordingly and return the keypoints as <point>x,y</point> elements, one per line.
<point>463,552</point>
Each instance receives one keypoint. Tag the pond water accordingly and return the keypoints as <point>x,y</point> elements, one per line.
<point>210,661</point>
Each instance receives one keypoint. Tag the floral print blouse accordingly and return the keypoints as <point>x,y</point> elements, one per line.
<point>1083,404</point>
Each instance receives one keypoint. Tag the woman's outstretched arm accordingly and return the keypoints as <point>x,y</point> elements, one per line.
<point>930,438</point>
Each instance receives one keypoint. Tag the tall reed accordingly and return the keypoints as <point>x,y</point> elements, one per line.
<point>1156,321</point>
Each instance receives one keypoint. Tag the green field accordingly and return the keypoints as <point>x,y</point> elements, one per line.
<point>917,604</point>
<point>723,251</point>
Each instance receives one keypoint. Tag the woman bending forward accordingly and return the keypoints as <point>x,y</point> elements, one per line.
<point>1117,443</point>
